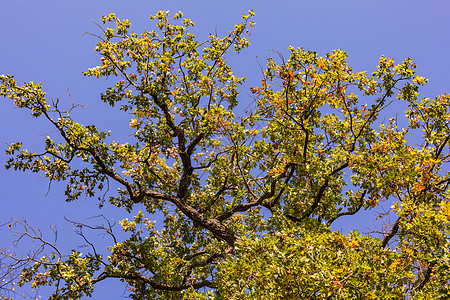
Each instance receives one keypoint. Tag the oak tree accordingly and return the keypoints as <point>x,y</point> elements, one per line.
<point>247,198</point>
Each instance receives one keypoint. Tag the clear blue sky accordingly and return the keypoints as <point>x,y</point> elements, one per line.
<point>44,41</point>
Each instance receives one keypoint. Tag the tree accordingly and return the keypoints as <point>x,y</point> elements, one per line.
<point>248,198</point>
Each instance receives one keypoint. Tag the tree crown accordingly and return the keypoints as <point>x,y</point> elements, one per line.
<point>247,197</point>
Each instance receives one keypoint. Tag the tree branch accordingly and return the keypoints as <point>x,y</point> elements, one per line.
<point>350,213</point>
<point>153,284</point>
<point>391,233</point>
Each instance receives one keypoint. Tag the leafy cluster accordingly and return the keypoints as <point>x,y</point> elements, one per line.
<point>248,198</point>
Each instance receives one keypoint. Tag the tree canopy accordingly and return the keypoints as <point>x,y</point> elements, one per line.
<point>247,197</point>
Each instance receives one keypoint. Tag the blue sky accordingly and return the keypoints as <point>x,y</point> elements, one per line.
<point>45,41</point>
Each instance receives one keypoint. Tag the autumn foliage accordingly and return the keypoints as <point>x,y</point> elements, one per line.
<point>247,198</point>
